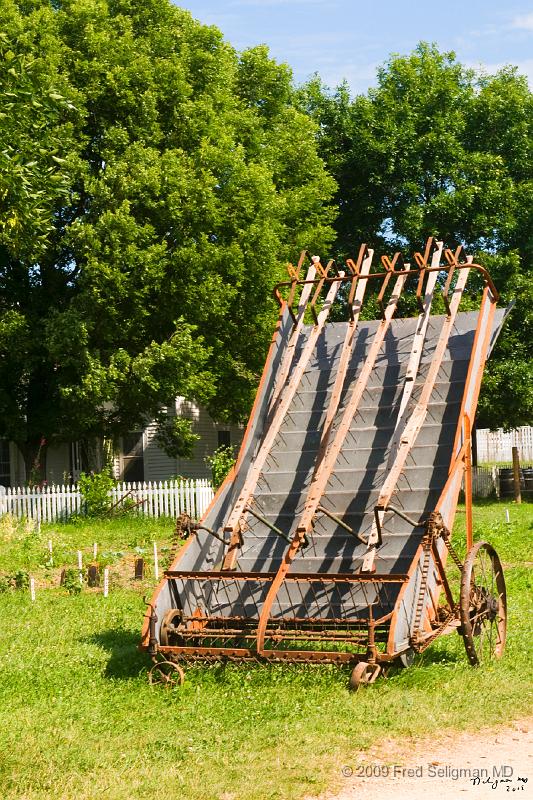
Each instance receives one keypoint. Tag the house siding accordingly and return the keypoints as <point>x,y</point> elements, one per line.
<point>207,429</point>
<point>58,463</point>
<point>157,465</point>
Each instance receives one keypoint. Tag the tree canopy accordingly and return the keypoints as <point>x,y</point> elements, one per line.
<point>437,149</point>
<point>152,184</point>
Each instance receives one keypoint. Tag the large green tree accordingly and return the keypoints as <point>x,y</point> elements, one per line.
<point>152,183</point>
<point>437,149</point>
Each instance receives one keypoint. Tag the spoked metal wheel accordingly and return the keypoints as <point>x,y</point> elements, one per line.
<point>170,625</point>
<point>166,673</point>
<point>483,604</point>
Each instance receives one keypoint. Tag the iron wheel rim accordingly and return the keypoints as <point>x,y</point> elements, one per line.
<point>483,605</point>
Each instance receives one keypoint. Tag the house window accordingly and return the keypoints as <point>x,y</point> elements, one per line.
<point>5,471</point>
<point>224,438</point>
<point>133,457</point>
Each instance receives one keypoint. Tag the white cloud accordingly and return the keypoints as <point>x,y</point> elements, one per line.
<point>524,22</point>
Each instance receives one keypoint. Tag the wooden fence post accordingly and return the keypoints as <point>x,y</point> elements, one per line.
<point>516,476</point>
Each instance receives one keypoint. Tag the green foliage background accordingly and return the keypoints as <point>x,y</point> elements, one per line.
<point>153,182</point>
<point>438,149</point>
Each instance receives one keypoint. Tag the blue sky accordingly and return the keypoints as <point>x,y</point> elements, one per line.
<point>342,39</point>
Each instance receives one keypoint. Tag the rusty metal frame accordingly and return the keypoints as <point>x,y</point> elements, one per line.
<point>407,270</point>
<point>382,628</point>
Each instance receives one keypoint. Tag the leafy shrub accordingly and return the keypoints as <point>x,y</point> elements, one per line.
<point>71,581</point>
<point>95,490</point>
<point>221,462</point>
<point>18,580</point>
<point>176,437</point>
<point>21,579</point>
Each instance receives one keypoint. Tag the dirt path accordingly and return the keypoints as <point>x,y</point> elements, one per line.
<point>445,769</point>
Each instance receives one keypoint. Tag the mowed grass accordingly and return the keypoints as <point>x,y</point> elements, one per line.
<point>79,720</point>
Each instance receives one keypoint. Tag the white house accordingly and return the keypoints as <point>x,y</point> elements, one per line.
<point>138,457</point>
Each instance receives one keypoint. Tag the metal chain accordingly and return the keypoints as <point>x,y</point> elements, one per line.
<point>435,529</point>
<point>451,549</point>
<point>421,646</point>
<point>426,544</point>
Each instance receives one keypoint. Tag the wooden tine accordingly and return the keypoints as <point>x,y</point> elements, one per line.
<point>389,268</point>
<point>294,275</point>
<point>453,261</point>
<point>422,262</point>
<point>355,269</point>
<point>323,275</point>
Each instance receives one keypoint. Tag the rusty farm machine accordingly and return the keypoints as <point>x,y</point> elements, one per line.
<point>330,539</point>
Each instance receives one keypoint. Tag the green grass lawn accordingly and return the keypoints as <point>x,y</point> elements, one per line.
<point>79,720</point>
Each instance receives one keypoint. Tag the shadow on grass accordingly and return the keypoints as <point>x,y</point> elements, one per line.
<point>125,661</point>
<point>441,656</point>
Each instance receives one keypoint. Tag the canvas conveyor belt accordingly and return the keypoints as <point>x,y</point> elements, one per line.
<point>316,546</point>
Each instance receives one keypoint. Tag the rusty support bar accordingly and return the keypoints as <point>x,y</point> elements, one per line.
<point>468,482</point>
<point>407,271</point>
<point>340,522</point>
<point>250,510</point>
<point>307,577</point>
<point>442,575</point>
<point>212,532</point>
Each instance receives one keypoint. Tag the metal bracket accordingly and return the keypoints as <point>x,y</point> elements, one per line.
<point>152,639</point>
<point>389,271</point>
<point>390,507</point>
<point>341,523</point>
<point>196,527</point>
<point>272,527</point>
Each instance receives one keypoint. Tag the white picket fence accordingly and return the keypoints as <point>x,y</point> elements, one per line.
<point>153,499</point>
<point>498,445</point>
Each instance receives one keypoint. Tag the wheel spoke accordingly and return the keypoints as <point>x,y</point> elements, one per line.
<point>482,604</point>
<point>490,638</point>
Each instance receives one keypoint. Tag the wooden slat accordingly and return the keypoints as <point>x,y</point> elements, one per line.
<point>284,401</point>
<point>327,464</point>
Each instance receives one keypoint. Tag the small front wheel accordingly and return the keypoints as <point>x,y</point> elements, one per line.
<point>166,673</point>
<point>483,604</point>
<point>363,673</point>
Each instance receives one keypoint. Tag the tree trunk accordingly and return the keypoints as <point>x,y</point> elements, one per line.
<point>34,453</point>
